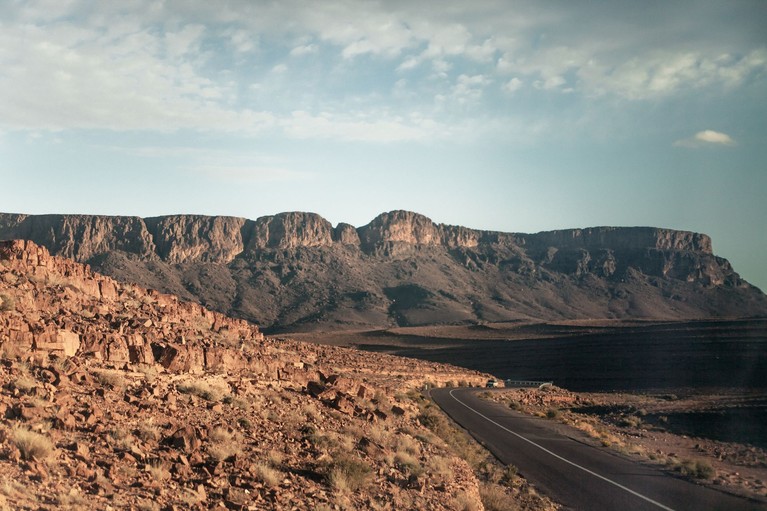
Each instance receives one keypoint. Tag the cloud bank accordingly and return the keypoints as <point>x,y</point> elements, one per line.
<point>350,70</point>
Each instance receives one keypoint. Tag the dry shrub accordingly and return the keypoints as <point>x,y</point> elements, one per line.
<point>149,432</point>
<point>24,384</point>
<point>463,502</point>
<point>7,303</point>
<point>460,442</point>
<point>122,440</point>
<point>222,445</point>
<point>408,463</point>
<point>275,458</point>
<point>699,469</point>
<point>30,444</point>
<point>348,474</point>
<point>157,470</point>
<point>110,378</point>
<point>408,444</point>
<point>378,434</point>
<point>268,475</point>
<point>440,466</point>
<point>204,390</point>
<point>71,499</point>
<point>495,498</point>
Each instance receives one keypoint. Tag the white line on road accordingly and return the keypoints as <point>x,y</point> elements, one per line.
<point>648,499</point>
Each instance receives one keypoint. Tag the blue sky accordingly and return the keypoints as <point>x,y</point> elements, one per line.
<point>494,114</point>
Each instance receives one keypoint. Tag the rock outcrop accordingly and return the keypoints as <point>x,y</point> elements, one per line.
<point>295,270</point>
<point>115,396</point>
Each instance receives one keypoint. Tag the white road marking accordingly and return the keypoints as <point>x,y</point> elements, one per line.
<point>648,499</point>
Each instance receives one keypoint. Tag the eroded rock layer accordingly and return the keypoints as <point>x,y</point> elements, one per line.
<point>296,271</point>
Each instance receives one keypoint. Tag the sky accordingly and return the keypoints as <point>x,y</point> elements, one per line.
<point>519,116</point>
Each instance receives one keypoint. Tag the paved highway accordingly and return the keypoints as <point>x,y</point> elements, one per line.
<point>573,473</point>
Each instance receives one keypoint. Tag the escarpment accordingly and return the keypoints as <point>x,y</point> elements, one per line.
<point>296,270</point>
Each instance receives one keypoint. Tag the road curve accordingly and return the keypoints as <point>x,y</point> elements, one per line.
<point>573,473</point>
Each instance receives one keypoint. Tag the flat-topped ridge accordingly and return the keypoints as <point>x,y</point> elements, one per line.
<point>199,238</point>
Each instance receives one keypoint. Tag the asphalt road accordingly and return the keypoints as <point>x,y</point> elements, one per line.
<point>577,475</point>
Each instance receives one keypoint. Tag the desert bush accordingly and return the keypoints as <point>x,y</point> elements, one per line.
<point>157,470</point>
<point>275,458</point>
<point>495,498</point>
<point>699,469</point>
<point>236,402</point>
<point>552,413</point>
<point>148,432</point>
<point>515,405</point>
<point>24,384</point>
<point>110,378</point>
<point>629,421</point>
<point>30,444</point>
<point>463,502</point>
<point>408,463</point>
<point>268,475</point>
<point>378,434</point>
<point>7,303</point>
<point>222,445</point>
<point>408,444</point>
<point>121,439</point>
<point>440,466</point>
<point>348,474</point>
<point>203,390</point>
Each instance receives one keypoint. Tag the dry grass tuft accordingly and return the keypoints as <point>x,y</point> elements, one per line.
<point>158,471</point>
<point>495,498</point>
<point>31,445</point>
<point>222,445</point>
<point>203,390</point>
<point>110,378</point>
<point>269,476</point>
<point>348,474</point>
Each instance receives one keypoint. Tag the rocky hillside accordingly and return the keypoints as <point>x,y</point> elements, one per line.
<point>115,397</point>
<point>295,271</point>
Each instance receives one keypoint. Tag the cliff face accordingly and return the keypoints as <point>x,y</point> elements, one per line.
<point>297,269</point>
<point>80,237</point>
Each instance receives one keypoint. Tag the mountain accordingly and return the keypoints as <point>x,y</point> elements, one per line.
<point>296,271</point>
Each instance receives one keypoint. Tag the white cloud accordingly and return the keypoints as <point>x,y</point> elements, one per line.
<point>165,66</point>
<point>184,41</point>
<point>706,137</point>
<point>513,85</point>
<point>304,49</point>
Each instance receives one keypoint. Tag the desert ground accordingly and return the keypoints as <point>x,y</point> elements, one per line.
<point>689,395</point>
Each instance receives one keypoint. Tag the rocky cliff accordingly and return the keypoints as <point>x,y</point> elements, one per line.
<point>295,270</point>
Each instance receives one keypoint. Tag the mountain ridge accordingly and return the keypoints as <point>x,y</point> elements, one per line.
<point>296,271</point>
<point>161,234</point>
